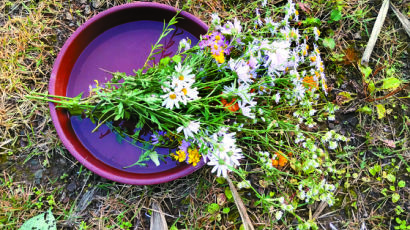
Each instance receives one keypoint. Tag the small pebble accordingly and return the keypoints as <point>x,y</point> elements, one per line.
<point>38,175</point>
<point>96,4</point>
<point>68,16</point>
<point>71,187</point>
<point>87,10</point>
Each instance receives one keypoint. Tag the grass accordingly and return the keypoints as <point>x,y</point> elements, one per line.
<point>371,169</point>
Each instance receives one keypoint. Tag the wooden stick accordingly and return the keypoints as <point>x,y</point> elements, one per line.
<point>158,221</point>
<point>247,224</point>
<point>403,19</point>
<point>375,32</point>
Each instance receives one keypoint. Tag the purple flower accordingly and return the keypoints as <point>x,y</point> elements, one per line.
<point>155,137</point>
<point>184,146</point>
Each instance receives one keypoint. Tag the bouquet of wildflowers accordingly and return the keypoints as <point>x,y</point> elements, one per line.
<point>251,91</point>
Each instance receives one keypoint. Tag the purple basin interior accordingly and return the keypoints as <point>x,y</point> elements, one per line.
<point>118,39</point>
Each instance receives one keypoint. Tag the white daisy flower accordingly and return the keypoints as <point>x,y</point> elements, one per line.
<point>172,99</point>
<point>225,154</point>
<point>215,19</point>
<point>182,76</point>
<point>316,31</point>
<point>231,28</point>
<point>190,129</point>
<point>188,93</point>
<point>242,69</point>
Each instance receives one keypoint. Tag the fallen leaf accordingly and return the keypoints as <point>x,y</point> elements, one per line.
<point>389,143</point>
<point>305,7</point>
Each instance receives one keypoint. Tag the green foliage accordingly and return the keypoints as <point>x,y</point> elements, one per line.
<point>213,208</point>
<point>391,83</point>
<point>402,224</point>
<point>335,15</point>
<point>365,109</point>
<point>329,43</point>
<point>381,111</point>
<point>375,169</point>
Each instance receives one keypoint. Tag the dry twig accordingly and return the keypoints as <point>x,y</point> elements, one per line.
<point>375,32</point>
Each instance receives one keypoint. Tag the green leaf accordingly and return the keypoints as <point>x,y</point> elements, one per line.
<point>391,178</point>
<point>312,21</point>
<point>391,83</point>
<point>365,109</point>
<point>213,208</point>
<point>220,180</point>
<point>335,15</point>
<point>42,221</point>
<point>395,197</point>
<point>384,190</point>
<point>228,193</point>
<point>381,111</point>
<point>371,87</point>
<point>177,58</point>
<point>346,95</point>
<point>401,184</point>
<point>329,42</point>
<point>164,61</point>
<point>226,210</point>
<point>366,71</point>
<point>154,157</point>
<point>375,169</point>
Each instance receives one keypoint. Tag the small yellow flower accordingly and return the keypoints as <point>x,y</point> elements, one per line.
<point>194,156</point>
<point>179,156</point>
<point>219,58</point>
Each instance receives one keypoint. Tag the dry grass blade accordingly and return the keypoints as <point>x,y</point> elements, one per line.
<point>241,207</point>
<point>375,32</point>
<point>158,221</point>
<point>403,19</point>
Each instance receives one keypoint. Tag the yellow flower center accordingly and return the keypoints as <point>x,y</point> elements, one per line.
<point>296,12</point>
<point>181,78</point>
<point>313,59</point>
<point>173,96</point>
<point>185,91</point>
<point>217,37</point>
<point>216,47</point>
